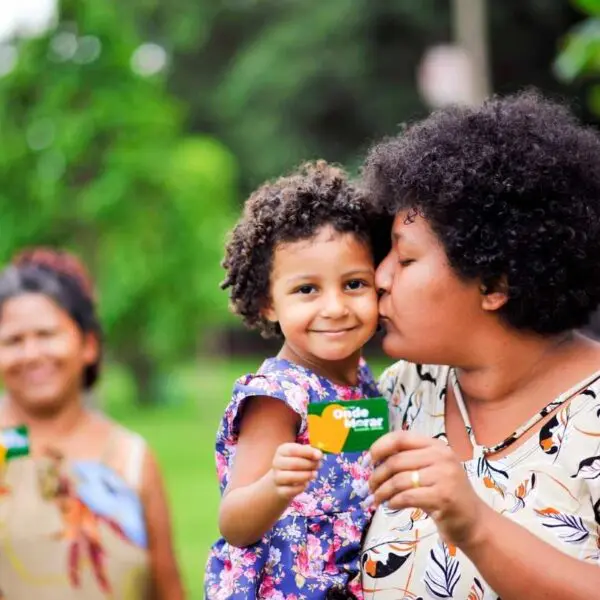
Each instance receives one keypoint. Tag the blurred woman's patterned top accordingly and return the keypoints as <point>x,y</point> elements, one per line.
<point>74,529</point>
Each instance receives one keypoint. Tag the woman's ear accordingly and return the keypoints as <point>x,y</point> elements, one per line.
<point>494,297</point>
<point>91,348</point>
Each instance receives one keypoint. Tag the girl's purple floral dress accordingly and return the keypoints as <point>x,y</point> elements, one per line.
<point>315,545</point>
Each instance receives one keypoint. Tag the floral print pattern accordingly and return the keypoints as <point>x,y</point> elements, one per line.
<point>315,545</point>
<point>550,484</point>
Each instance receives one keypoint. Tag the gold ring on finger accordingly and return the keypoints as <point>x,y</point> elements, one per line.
<point>415,479</point>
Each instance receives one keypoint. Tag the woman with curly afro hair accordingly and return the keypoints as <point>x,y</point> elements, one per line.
<point>489,485</point>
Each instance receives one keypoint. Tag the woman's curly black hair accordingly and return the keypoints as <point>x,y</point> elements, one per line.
<point>512,190</point>
<point>289,209</point>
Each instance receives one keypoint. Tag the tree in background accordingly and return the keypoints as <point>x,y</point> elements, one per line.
<point>281,81</point>
<point>579,63</point>
<point>95,157</point>
<point>579,58</point>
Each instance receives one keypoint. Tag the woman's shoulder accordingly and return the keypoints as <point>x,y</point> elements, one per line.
<point>576,425</point>
<point>406,377</point>
<point>415,394</point>
<point>124,450</point>
<point>113,430</point>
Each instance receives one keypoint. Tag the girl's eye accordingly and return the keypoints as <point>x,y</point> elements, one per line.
<point>356,284</point>
<point>305,289</point>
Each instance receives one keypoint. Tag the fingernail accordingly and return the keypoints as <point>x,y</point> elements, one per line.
<point>366,460</point>
<point>385,504</point>
<point>368,501</point>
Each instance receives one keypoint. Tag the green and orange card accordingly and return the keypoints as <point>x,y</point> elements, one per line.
<point>347,426</point>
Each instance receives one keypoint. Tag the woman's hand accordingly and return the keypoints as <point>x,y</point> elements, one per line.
<point>417,471</point>
<point>294,467</point>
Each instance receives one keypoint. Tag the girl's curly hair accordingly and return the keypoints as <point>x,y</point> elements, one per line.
<point>512,190</point>
<point>289,209</point>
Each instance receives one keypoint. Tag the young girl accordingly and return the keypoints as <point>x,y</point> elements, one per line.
<point>299,265</point>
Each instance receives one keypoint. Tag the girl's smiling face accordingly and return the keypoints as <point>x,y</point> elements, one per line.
<point>323,297</point>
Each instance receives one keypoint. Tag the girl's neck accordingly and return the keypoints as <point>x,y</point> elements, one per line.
<point>342,372</point>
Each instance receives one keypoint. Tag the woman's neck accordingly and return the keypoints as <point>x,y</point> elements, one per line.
<point>52,424</point>
<point>515,363</point>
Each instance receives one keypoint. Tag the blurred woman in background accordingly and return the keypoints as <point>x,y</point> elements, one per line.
<point>84,514</point>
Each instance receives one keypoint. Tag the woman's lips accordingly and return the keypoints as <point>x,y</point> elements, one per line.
<point>38,375</point>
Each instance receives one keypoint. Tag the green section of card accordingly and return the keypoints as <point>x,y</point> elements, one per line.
<point>347,425</point>
<point>14,442</point>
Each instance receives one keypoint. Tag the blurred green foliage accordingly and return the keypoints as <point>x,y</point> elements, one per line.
<point>282,81</point>
<point>579,57</point>
<point>96,158</point>
<point>142,174</point>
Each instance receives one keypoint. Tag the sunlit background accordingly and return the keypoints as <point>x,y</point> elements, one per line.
<point>132,131</point>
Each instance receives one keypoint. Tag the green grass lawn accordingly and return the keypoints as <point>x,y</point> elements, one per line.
<point>182,435</point>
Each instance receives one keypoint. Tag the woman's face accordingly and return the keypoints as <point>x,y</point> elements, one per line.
<point>42,352</point>
<point>427,311</point>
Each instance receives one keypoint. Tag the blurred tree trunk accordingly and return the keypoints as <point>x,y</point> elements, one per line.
<point>144,371</point>
<point>470,31</point>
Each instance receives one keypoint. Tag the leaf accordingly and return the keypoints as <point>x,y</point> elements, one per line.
<point>476,592</point>
<point>442,573</point>
<point>74,564</point>
<point>96,554</point>
<point>589,468</point>
<point>579,50</point>
<point>589,7</point>
<point>376,567</point>
<point>489,475</point>
<point>568,528</point>
<point>553,432</point>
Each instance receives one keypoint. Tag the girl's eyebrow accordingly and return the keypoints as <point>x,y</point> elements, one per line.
<point>309,277</point>
<point>300,278</point>
<point>357,272</point>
